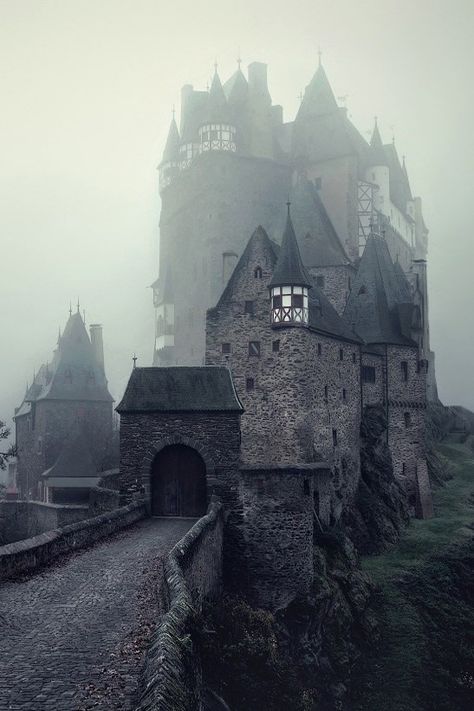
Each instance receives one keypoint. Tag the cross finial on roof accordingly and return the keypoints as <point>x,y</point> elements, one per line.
<point>239,58</point>
<point>173,112</point>
<point>288,205</point>
<point>215,65</point>
<point>134,360</point>
<point>320,54</point>
<point>376,118</point>
<point>70,308</point>
<point>78,305</point>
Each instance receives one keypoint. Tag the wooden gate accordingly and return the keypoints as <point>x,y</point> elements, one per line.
<point>178,482</point>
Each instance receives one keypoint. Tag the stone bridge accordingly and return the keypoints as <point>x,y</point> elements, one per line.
<point>73,635</point>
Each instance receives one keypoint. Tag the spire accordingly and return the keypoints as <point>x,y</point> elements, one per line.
<point>289,270</point>
<point>319,98</point>
<point>378,153</point>
<point>171,150</point>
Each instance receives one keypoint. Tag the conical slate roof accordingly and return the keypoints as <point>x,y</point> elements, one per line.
<point>289,268</point>
<point>236,88</point>
<point>217,108</point>
<point>378,156</point>
<point>374,303</point>
<point>318,98</point>
<point>171,152</point>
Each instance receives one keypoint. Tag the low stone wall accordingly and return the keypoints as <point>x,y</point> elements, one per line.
<point>31,553</point>
<point>102,499</point>
<point>24,519</point>
<point>192,574</point>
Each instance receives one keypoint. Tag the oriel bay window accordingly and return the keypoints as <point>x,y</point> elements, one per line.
<point>217,137</point>
<point>290,304</point>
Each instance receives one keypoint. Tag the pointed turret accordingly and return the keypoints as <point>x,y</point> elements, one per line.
<point>171,152</point>
<point>217,133</point>
<point>169,165</point>
<point>318,98</point>
<point>236,89</point>
<point>378,156</point>
<point>290,282</point>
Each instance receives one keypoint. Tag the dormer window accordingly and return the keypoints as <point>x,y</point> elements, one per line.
<point>217,137</point>
<point>290,304</point>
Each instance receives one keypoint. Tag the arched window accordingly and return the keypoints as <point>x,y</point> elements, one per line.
<point>362,290</point>
<point>258,273</point>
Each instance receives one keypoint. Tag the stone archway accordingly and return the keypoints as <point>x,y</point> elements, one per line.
<point>178,482</point>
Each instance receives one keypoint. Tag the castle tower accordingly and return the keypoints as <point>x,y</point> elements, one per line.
<point>290,283</point>
<point>68,396</point>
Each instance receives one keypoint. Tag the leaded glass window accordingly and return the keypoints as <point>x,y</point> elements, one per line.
<point>290,304</point>
<point>217,137</point>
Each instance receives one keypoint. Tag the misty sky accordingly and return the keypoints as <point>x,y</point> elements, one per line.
<point>86,91</point>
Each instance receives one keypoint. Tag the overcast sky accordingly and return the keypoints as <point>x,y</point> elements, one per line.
<point>86,91</point>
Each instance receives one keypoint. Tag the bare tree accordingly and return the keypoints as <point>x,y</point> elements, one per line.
<point>11,451</point>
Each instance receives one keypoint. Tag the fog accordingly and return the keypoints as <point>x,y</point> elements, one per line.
<point>87,89</point>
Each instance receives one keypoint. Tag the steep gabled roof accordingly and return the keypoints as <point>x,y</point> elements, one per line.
<point>180,389</point>
<point>74,373</point>
<point>260,239</point>
<point>74,461</point>
<point>404,286</point>
<point>289,269</point>
<point>317,239</point>
<point>324,318</point>
<point>373,305</point>
<point>399,188</point>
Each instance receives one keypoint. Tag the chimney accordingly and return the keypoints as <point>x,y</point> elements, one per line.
<point>97,343</point>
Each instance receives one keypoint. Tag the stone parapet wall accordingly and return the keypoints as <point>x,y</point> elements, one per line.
<point>25,519</point>
<point>192,574</point>
<point>32,553</point>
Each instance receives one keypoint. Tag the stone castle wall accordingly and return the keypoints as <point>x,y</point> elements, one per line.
<point>304,403</point>
<point>25,519</point>
<point>278,519</point>
<point>337,284</point>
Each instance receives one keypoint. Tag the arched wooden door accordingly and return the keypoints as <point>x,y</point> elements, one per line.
<point>178,482</point>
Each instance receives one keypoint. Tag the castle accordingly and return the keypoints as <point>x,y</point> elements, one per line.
<point>292,299</point>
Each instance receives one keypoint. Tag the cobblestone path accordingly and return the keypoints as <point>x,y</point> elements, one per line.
<point>72,636</point>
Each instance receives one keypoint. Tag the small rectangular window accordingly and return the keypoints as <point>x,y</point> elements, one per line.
<point>326,392</point>
<point>306,487</point>
<point>250,384</point>
<point>319,349</point>
<point>276,346</point>
<point>334,438</point>
<point>368,374</point>
<point>354,358</point>
<point>407,419</point>
<point>226,348</point>
<point>254,348</point>
<point>344,394</point>
<point>341,354</point>
<point>249,307</point>
<point>404,366</point>
<point>320,281</point>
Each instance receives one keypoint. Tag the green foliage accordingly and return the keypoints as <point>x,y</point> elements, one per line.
<point>244,662</point>
<point>425,658</point>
